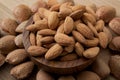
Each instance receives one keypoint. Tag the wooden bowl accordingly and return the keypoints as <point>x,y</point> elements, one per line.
<point>58,67</point>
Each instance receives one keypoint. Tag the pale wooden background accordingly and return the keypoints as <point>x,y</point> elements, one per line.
<point>6,7</point>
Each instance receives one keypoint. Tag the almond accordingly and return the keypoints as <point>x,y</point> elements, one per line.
<point>55,7</point>
<point>79,37</point>
<point>60,28</point>
<point>91,43</point>
<point>50,3</point>
<point>66,78</point>
<point>115,25</point>
<point>36,50</point>
<point>79,49</point>
<point>38,38</point>
<point>21,26</point>
<point>48,46</point>
<point>69,57</point>
<point>23,70</point>
<point>100,25</point>
<point>53,52</point>
<point>93,29</point>
<point>47,39</point>
<point>91,52</point>
<point>89,17</point>
<point>85,31</point>
<point>76,14</point>
<point>32,38</point>
<point>68,25</point>
<point>106,13</point>
<point>2,59</point>
<point>17,56</point>
<point>19,41</point>
<point>64,53</point>
<point>43,76</point>
<point>47,32</point>
<point>103,38</point>
<point>36,17</point>
<point>53,20</point>
<point>43,12</point>
<point>109,34</point>
<point>78,7</point>
<point>63,39</point>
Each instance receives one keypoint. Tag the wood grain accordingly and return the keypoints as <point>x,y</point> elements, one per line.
<point>6,7</point>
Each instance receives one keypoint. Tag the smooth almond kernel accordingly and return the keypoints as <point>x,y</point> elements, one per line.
<point>79,49</point>
<point>47,39</point>
<point>63,39</point>
<point>68,25</point>
<point>100,25</point>
<point>32,38</point>
<point>16,57</point>
<point>89,17</point>
<point>69,57</point>
<point>53,20</point>
<point>47,32</point>
<point>91,43</point>
<point>79,37</point>
<point>60,28</point>
<point>38,38</point>
<point>91,52</point>
<point>85,31</point>
<point>103,38</point>
<point>36,50</point>
<point>53,52</point>
<point>115,25</point>
<point>23,70</point>
<point>93,29</point>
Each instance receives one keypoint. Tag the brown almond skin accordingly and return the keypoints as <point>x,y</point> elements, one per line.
<point>37,5</point>
<point>47,32</point>
<point>53,52</point>
<point>87,75</point>
<point>106,13</point>
<point>47,40</point>
<point>7,44</point>
<point>114,24</point>
<point>23,70</point>
<point>36,50</point>
<point>66,78</point>
<point>42,75</point>
<point>2,59</point>
<point>114,64</point>
<point>85,31</point>
<point>9,26</point>
<point>101,68</point>
<point>22,13</point>
<point>32,38</point>
<point>17,56</point>
<point>19,41</point>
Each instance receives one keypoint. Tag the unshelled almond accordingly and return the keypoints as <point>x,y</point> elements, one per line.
<point>63,39</point>
<point>47,32</point>
<point>32,38</point>
<point>53,20</point>
<point>85,31</point>
<point>115,25</point>
<point>79,49</point>
<point>49,45</point>
<point>78,7</point>
<point>91,52</point>
<point>22,70</point>
<point>38,38</point>
<point>55,7</point>
<point>60,28</point>
<point>68,25</point>
<point>36,17</point>
<point>36,50</point>
<point>47,40</point>
<point>42,75</point>
<point>43,12</point>
<point>66,78</point>
<point>53,52</point>
<point>103,38</point>
<point>17,56</point>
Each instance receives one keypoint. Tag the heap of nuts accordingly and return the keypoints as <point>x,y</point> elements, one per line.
<point>62,31</point>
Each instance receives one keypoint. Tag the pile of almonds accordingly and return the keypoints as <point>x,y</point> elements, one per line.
<point>62,31</point>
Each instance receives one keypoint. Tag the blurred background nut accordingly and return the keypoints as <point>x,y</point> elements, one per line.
<point>22,13</point>
<point>2,59</point>
<point>106,13</point>
<point>9,26</point>
<point>115,25</point>
<point>66,78</point>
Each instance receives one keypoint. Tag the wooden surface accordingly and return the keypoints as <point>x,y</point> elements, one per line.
<point>6,7</point>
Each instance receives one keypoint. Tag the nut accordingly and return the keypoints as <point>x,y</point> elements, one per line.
<point>2,59</point>
<point>47,32</point>
<point>32,38</point>
<point>66,78</point>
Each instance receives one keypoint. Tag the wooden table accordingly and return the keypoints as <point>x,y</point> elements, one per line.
<point>6,7</point>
